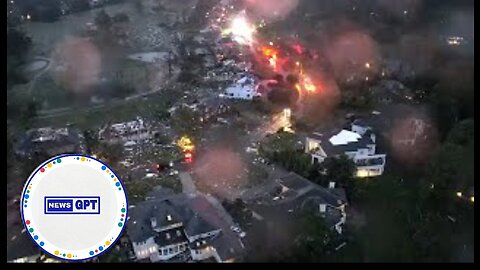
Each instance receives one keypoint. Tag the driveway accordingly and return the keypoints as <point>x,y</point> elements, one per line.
<point>188,187</point>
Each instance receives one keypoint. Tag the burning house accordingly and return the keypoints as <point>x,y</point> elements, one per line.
<point>179,228</point>
<point>358,144</point>
<point>51,142</point>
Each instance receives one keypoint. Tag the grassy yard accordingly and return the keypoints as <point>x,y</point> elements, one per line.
<point>120,111</point>
<point>137,190</point>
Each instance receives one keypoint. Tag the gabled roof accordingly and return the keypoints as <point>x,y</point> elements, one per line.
<point>336,141</point>
<point>333,197</point>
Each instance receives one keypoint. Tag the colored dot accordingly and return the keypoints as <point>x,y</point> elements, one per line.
<point>123,215</point>
<point>119,188</point>
<point>116,184</point>
<point>42,169</point>
<point>78,158</point>
<point>28,191</point>
<point>69,255</point>
<point>41,244</point>
<point>82,159</point>
<point>115,179</point>
<point>107,243</point>
<point>103,168</point>
<point>27,222</point>
<point>35,237</point>
<point>96,250</point>
<point>49,165</point>
<point>57,252</point>
<point>63,254</point>
<point>25,201</point>
<point>121,219</point>
<point>100,248</point>
<point>25,205</point>
<point>123,210</point>
<point>120,224</point>
<point>54,162</point>
<point>26,196</point>
<point>112,176</point>
<point>59,160</point>
<point>30,187</point>
<point>108,171</point>
<point>91,253</point>
<point>30,230</point>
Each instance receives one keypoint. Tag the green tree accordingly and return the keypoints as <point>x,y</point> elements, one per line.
<point>186,121</point>
<point>339,169</point>
<point>313,242</point>
<point>103,20</point>
<point>121,17</point>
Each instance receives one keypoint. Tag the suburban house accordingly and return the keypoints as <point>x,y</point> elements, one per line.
<point>243,88</point>
<point>359,144</point>
<point>51,142</point>
<point>179,228</point>
<point>133,131</point>
<point>297,193</point>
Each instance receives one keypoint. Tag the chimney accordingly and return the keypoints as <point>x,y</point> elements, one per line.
<point>323,208</point>
<point>153,222</point>
<point>331,185</point>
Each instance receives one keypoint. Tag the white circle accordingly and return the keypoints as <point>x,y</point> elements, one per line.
<point>74,207</point>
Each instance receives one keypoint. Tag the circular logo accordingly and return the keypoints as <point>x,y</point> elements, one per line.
<point>74,207</point>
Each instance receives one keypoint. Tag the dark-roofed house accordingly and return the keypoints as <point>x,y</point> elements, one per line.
<point>330,202</point>
<point>171,228</point>
<point>358,144</point>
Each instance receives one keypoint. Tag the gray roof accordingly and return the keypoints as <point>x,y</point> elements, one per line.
<point>315,196</point>
<point>334,197</point>
<point>175,205</point>
<point>360,122</point>
<point>196,225</point>
<point>170,237</point>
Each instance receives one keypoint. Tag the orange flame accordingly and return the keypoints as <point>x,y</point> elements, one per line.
<point>308,84</point>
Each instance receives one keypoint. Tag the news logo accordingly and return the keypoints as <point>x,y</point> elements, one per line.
<point>74,207</point>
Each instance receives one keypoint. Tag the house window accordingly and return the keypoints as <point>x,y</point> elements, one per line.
<point>170,250</point>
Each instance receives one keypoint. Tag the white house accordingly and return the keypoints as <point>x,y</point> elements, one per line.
<point>359,144</point>
<point>243,88</point>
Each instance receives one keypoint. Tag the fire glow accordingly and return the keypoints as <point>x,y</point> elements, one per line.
<point>241,30</point>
